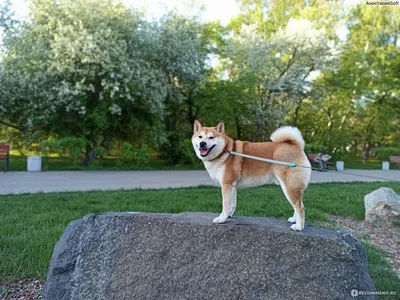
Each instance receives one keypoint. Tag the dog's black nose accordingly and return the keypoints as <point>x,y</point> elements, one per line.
<point>203,144</point>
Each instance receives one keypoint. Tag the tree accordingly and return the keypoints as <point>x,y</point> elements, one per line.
<point>271,15</point>
<point>369,70</point>
<point>184,66</point>
<point>279,72</point>
<point>95,70</point>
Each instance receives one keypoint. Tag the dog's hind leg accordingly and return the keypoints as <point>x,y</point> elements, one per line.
<point>284,190</point>
<point>294,194</point>
<point>233,201</point>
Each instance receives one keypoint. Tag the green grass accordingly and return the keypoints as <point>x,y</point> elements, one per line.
<point>19,163</point>
<point>31,224</point>
<point>372,164</point>
<point>381,272</point>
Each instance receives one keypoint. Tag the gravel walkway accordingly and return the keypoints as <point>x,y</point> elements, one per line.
<point>48,182</point>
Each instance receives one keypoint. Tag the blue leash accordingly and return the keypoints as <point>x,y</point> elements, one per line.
<point>273,161</point>
<point>293,164</point>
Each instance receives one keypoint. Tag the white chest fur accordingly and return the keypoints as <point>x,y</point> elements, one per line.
<point>215,170</point>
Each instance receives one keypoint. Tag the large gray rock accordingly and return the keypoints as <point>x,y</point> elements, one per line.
<point>184,256</point>
<point>382,207</point>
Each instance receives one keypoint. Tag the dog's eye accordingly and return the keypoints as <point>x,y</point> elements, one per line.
<point>211,137</point>
<point>200,137</point>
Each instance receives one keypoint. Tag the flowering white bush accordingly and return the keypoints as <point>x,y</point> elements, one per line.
<point>282,69</point>
<point>94,69</point>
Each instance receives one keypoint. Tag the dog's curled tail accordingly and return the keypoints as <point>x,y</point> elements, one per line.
<point>288,134</point>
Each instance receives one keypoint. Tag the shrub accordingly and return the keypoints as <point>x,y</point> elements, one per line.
<point>142,156</point>
<point>100,152</point>
<point>73,148</point>
<point>313,148</point>
<point>383,153</point>
<point>70,147</point>
<point>51,146</point>
<point>126,153</point>
<point>188,156</point>
<point>138,156</point>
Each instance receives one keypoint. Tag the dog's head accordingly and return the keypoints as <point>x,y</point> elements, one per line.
<point>208,142</point>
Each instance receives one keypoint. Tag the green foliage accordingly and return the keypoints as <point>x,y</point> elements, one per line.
<point>51,146</point>
<point>139,156</point>
<point>70,147</point>
<point>73,147</point>
<point>142,156</point>
<point>100,152</point>
<point>383,153</point>
<point>23,141</point>
<point>127,153</point>
<point>188,155</point>
<point>278,70</point>
<point>97,71</point>
<point>313,148</point>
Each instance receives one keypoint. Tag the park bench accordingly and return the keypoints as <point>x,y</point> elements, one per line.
<point>5,155</point>
<point>311,158</point>
<point>395,160</point>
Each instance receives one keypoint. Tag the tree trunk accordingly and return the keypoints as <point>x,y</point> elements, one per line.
<point>365,152</point>
<point>90,155</point>
<point>367,142</point>
<point>191,109</point>
<point>297,112</point>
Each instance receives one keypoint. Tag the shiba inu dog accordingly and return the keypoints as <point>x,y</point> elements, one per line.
<point>212,146</point>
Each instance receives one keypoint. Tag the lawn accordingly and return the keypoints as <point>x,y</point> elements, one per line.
<point>372,164</point>
<point>31,224</point>
<point>19,163</point>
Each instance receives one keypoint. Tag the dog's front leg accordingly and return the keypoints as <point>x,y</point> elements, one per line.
<point>233,201</point>
<point>227,191</point>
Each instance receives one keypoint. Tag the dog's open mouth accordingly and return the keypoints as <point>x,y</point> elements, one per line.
<point>205,151</point>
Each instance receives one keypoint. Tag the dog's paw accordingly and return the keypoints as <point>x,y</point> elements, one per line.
<point>232,212</point>
<point>296,227</point>
<point>292,220</point>
<point>221,219</point>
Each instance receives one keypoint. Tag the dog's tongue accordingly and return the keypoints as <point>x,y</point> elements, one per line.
<point>203,151</point>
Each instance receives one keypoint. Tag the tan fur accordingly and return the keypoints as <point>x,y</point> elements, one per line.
<point>238,171</point>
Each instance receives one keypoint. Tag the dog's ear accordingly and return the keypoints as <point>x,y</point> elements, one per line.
<point>196,126</point>
<point>220,127</point>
